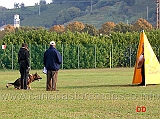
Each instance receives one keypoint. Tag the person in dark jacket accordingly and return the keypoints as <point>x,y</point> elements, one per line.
<point>52,60</point>
<point>23,60</point>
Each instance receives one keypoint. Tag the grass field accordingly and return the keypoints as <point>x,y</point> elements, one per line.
<point>83,94</point>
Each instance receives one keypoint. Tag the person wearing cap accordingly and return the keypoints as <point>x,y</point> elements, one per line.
<point>52,60</point>
<point>23,60</point>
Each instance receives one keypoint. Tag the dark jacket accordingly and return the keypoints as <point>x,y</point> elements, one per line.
<point>52,59</point>
<point>23,56</point>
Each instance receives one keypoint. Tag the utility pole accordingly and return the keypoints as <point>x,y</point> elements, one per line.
<point>39,7</point>
<point>91,5</point>
<point>147,13</point>
<point>158,13</point>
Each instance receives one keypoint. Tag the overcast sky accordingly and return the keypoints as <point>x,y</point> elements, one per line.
<point>10,3</point>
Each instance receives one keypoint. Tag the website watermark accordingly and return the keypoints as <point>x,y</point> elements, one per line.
<point>79,96</point>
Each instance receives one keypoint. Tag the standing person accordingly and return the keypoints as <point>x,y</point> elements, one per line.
<point>141,66</point>
<point>52,60</point>
<point>23,60</point>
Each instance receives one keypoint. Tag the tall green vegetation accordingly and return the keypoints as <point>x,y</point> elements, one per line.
<point>79,49</point>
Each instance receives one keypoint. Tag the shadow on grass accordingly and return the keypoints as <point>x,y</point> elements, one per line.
<point>99,86</point>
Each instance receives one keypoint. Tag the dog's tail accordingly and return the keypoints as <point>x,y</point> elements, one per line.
<point>9,84</point>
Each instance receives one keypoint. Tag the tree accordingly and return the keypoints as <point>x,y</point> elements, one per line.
<point>2,33</point>
<point>123,28</point>
<point>75,26</point>
<point>2,8</point>
<point>9,28</point>
<point>42,2</point>
<point>73,12</point>
<point>90,29</point>
<point>57,29</point>
<point>107,28</point>
<point>22,6</point>
<point>67,15</point>
<point>142,24</point>
<point>16,5</point>
<point>130,2</point>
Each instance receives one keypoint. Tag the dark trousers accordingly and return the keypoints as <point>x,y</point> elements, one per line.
<point>143,75</point>
<point>55,80</point>
<point>24,75</point>
<point>50,80</point>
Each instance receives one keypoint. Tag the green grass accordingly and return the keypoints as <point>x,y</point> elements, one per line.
<point>84,94</point>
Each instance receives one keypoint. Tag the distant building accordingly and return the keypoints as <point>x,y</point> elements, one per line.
<point>16,21</point>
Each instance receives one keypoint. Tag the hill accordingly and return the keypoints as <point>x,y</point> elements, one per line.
<point>95,12</point>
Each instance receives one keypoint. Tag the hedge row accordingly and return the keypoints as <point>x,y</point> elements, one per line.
<point>79,50</point>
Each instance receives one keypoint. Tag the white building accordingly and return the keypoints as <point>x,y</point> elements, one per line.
<point>16,21</point>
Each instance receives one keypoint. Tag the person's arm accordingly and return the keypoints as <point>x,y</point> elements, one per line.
<point>18,58</point>
<point>59,57</point>
<point>44,60</point>
<point>27,59</point>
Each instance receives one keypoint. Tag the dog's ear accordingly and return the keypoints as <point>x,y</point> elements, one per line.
<point>36,73</point>
<point>29,75</point>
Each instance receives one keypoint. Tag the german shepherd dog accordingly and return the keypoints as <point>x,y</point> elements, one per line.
<point>31,78</point>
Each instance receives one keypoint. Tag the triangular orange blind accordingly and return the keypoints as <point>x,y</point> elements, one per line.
<point>152,66</point>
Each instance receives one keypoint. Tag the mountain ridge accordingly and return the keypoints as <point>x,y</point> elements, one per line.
<point>96,14</point>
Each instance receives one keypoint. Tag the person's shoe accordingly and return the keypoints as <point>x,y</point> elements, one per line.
<point>55,90</point>
<point>141,84</point>
<point>48,90</point>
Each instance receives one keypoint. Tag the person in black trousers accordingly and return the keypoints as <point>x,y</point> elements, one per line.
<point>23,60</point>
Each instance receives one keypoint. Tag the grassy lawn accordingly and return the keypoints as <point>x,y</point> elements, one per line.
<point>84,94</point>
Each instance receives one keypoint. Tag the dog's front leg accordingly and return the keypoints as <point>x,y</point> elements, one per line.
<point>29,87</point>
